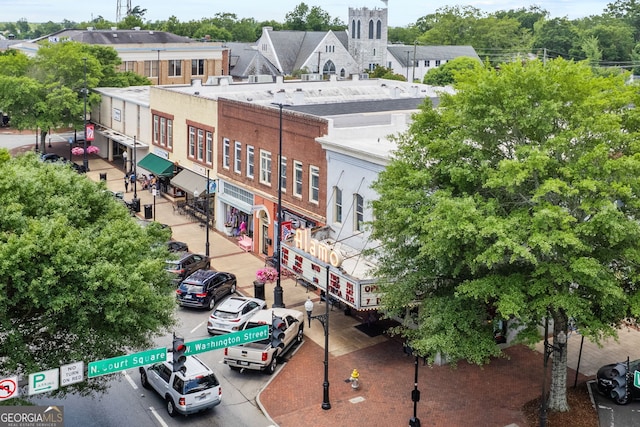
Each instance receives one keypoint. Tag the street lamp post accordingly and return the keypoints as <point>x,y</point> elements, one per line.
<point>415,393</point>
<point>547,351</point>
<point>278,300</point>
<point>206,245</point>
<point>134,169</point>
<point>85,158</point>
<point>324,319</point>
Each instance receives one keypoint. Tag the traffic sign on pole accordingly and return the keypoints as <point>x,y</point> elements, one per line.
<point>228,340</point>
<point>121,363</point>
<point>636,379</point>
<point>42,382</point>
<point>71,373</point>
<point>9,388</point>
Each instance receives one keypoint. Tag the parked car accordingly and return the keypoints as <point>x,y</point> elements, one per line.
<point>193,390</point>
<point>52,157</point>
<point>232,314</point>
<point>611,381</point>
<point>175,246</point>
<point>262,355</point>
<point>186,264</point>
<point>204,287</point>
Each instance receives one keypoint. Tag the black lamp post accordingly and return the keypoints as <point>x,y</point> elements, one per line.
<point>278,300</point>
<point>547,351</point>
<point>208,200</point>
<point>134,168</point>
<point>415,393</point>
<point>324,319</point>
<point>85,158</point>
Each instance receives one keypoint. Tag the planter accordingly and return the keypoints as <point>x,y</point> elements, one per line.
<point>228,230</point>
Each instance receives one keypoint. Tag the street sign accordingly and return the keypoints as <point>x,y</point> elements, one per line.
<point>636,379</point>
<point>121,363</point>
<point>70,140</point>
<point>42,382</point>
<point>8,388</point>
<point>227,340</point>
<point>212,187</point>
<point>71,373</point>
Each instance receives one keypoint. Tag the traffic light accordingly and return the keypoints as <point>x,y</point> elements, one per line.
<point>277,332</point>
<point>620,392</point>
<point>178,351</point>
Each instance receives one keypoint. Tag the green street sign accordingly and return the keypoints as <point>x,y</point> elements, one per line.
<point>121,363</point>
<point>636,379</point>
<point>227,340</point>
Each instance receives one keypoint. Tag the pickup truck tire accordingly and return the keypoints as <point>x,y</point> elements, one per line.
<point>271,368</point>
<point>144,381</point>
<point>300,335</point>
<point>171,407</point>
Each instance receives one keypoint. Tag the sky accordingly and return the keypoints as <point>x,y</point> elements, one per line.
<point>401,12</point>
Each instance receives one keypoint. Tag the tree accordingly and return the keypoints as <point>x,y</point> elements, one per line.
<point>303,18</point>
<point>445,74</point>
<point>559,36</point>
<point>81,280</point>
<point>516,199</point>
<point>381,72</point>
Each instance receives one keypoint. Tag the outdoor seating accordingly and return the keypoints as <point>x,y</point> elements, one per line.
<point>246,243</point>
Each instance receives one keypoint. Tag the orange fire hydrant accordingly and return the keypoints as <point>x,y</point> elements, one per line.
<point>355,379</point>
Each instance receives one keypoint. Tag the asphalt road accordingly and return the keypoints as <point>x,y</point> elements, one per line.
<point>127,403</point>
<point>611,414</point>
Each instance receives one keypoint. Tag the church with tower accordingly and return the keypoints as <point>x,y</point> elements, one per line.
<point>316,55</point>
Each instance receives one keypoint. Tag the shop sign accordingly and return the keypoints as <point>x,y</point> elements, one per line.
<point>303,241</point>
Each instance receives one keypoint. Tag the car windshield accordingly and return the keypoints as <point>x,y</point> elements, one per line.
<point>196,385</point>
<point>225,314</point>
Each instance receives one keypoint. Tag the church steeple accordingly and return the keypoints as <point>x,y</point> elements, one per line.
<point>368,36</point>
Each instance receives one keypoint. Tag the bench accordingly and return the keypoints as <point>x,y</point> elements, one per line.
<point>246,243</point>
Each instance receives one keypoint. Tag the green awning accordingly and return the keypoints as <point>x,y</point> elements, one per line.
<point>156,165</point>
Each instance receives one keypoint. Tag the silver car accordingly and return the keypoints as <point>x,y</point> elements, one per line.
<point>232,314</point>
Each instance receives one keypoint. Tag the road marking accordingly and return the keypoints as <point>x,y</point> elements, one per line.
<point>128,378</point>
<point>158,417</point>
<point>198,326</point>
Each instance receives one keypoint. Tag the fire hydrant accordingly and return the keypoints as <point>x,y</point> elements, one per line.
<point>355,379</point>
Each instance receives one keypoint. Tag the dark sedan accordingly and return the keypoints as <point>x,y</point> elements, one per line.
<point>620,381</point>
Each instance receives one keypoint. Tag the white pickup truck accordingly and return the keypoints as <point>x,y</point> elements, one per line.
<point>261,355</point>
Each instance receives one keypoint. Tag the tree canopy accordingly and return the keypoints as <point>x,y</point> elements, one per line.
<point>516,199</point>
<point>80,279</point>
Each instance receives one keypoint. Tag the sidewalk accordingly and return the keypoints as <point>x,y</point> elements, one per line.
<point>468,395</point>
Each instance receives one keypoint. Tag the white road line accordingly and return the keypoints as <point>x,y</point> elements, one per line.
<point>158,417</point>
<point>128,378</point>
<point>198,326</point>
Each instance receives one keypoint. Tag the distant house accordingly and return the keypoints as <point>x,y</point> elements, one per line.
<point>163,57</point>
<point>414,61</point>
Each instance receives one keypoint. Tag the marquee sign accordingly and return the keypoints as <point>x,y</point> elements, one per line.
<point>356,293</point>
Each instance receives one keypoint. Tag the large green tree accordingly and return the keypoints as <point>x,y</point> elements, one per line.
<point>518,198</point>
<point>80,280</point>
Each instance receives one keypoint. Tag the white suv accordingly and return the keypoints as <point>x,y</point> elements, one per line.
<point>232,314</point>
<point>194,389</point>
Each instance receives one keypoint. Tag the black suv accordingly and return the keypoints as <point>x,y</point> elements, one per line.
<point>204,287</point>
<point>186,264</point>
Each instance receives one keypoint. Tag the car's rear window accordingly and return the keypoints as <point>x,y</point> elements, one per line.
<point>199,384</point>
<point>225,314</point>
<point>192,289</point>
<point>255,325</point>
<point>172,265</point>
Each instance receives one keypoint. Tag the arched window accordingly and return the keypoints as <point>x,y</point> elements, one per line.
<point>370,30</point>
<point>353,29</point>
<point>343,73</point>
<point>358,31</point>
<point>329,68</point>
<point>379,30</point>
